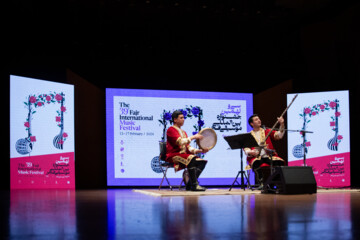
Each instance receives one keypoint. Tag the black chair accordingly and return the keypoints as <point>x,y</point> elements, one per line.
<point>165,166</point>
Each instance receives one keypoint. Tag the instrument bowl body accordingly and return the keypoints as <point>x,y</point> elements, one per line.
<point>23,146</point>
<point>333,144</point>
<point>58,141</point>
<point>298,151</point>
<point>156,165</point>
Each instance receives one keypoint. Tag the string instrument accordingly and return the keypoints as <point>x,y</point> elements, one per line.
<point>58,139</point>
<point>272,129</point>
<point>332,143</point>
<point>298,150</point>
<point>24,145</point>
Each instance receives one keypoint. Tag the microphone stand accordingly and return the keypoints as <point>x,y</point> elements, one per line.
<point>304,139</point>
<point>303,132</point>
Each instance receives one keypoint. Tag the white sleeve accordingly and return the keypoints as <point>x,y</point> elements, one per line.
<point>247,150</point>
<point>184,141</point>
<point>279,134</point>
<point>192,150</point>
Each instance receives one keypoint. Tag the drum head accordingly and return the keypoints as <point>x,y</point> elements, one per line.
<point>209,140</point>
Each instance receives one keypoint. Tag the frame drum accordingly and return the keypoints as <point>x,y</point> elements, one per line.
<point>209,140</point>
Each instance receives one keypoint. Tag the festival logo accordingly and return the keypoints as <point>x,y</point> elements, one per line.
<point>34,102</point>
<point>129,126</point>
<point>128,118</point>
<point>310,112</point>
<point>335,167</point>
<point>229,119</point>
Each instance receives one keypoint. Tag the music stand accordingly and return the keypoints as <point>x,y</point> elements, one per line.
<point>240,141</point>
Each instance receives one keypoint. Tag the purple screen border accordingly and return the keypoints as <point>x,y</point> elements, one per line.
<point>111,92</point>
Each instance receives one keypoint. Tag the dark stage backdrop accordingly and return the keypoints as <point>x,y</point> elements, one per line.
<point>90,161</point>
<point>325,57</point>
<point>270,104</point>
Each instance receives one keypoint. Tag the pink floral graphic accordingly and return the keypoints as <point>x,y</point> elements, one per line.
<point>37,101</point>
<point>316,109</point>
<point>312,111</point>
<point>58,97</point>
<point>32,99</point>
<point>332,104</point>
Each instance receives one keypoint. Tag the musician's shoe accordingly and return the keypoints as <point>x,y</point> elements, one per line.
<point>193,180</point>
<point>261,184</point>
<point>197,188</point>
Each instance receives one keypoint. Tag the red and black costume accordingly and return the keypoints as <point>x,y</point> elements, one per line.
<point>178,149</point>
<point>182,155</point>
<point>260,136</point>
<point>263,159</point>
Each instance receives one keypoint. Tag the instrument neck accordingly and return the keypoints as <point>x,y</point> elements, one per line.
<point>281,116</point>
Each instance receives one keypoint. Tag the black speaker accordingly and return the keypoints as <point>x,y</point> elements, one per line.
<point>291,180</point>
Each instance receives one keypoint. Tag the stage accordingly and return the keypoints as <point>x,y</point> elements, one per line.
<point>165,214</point>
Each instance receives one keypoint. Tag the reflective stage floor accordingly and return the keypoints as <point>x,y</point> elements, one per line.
<point>125,214</point>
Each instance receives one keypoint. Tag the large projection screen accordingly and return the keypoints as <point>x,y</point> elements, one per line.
<point>135,126</point>
<point>323,121</point>
<point>41,134</point>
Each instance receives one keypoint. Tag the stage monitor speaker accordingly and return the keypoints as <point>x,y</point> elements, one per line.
<point>291,180</point>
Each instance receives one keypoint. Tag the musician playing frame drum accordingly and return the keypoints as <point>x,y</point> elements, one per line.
<point>182,155</point>
<point>259,159</point>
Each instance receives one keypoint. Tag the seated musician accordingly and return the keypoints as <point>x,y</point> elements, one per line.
<point>260,160</point>
<point>181,154</point>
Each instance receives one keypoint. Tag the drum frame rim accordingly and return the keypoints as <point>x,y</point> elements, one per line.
<point>202,130</point>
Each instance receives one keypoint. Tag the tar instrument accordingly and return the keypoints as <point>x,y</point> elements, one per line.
<point>24,145</point>
<point>209,139</point>
<point>272,129</point>
<point>58,139</point>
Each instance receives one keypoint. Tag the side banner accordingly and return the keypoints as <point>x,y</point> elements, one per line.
<point>41,134</point>
<point>319,134</point>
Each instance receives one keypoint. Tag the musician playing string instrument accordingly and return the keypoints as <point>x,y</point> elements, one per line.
<point>259,158</point>
<point>181,154</point>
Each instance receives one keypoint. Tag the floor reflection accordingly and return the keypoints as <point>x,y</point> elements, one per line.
<point>248,216</point>
<point>42,213</point>
<point>182,217</point>
<point>124,214</point>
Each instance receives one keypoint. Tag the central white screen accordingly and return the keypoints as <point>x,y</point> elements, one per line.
<point>136,123</point>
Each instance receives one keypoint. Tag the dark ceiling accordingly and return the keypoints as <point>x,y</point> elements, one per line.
<point>204,45</point>
<point>215,45</point>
